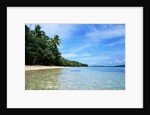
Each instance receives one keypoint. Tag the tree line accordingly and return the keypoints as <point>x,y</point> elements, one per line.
<point>43,50</point>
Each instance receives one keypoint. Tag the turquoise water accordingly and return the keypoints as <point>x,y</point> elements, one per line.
<point>76,78</point>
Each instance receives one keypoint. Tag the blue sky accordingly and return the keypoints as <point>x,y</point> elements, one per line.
<point>93,44</point>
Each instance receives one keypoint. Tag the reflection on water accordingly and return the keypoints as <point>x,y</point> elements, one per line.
<point>42,79</point>
<point>76,78</point>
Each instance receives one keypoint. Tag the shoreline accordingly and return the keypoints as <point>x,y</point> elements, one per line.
<point>41,67</point>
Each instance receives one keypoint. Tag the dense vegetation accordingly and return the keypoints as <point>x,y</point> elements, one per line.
<point>42,50</point>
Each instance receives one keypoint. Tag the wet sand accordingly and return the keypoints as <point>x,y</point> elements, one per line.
<point>39,67</point>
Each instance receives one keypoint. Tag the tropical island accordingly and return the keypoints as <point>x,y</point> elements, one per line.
<point>42,50</point>
<point>56,56</point>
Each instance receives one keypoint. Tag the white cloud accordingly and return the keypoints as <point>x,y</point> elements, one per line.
<point>119,61</point>
<point>110,62</point>
<point>86,55</point>
<point>75,50</point>
<point>105,32</point>
<point>63,30</point>
<point>97,59</point>
<point>122,41</point>
<point>69,55</point>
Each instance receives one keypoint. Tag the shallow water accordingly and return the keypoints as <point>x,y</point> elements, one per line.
<point>76,78</point>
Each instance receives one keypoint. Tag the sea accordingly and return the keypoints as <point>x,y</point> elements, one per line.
<point>76,78</point>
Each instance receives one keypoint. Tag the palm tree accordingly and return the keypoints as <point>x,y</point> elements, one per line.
<point>54,42</point>
<point>38,34</point>
<point>37,31</point>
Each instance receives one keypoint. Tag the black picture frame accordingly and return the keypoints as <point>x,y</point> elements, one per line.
<point>64,3</point>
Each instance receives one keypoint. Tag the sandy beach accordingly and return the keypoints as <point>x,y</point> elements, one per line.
<point>39,67</point>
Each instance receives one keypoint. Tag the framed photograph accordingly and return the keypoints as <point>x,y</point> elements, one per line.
<point>74,57</point>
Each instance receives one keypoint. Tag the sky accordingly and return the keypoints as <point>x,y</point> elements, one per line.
<point>92,44</point>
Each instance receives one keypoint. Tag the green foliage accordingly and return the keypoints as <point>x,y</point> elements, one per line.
<point>42,50</point>
<point>66,62</point>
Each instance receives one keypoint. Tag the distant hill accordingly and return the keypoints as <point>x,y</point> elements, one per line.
<point>119,66</point>
<point>108,66</point>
